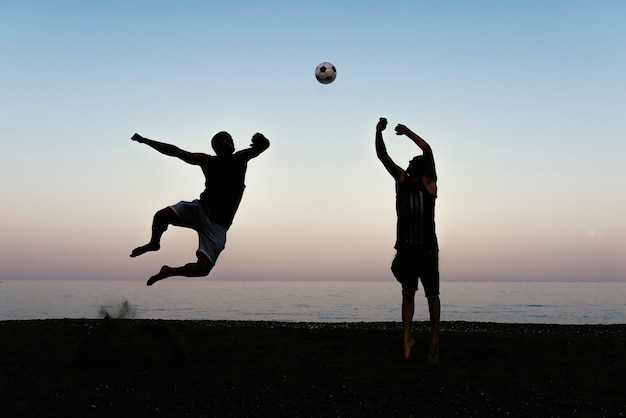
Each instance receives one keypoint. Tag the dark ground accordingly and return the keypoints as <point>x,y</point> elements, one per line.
<point>135,368</point>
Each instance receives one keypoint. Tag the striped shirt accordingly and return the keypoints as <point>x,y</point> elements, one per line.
<point>415,207</point>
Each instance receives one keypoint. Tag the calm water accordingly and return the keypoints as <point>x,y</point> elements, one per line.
<point>519,302</point>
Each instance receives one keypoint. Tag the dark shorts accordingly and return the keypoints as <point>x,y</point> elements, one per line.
<point>411,265</point>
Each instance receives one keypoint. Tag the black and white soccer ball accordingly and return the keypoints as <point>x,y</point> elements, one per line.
<point>325,73</point>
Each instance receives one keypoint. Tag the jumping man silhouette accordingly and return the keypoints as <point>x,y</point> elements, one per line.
<point>212,214</point>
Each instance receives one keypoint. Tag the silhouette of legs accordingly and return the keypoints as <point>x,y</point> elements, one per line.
<point>408,309</point>
<point>162,219</point>
<point>434,308</point>
<point>200,268</point>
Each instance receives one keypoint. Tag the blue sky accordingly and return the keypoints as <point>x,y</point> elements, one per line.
<point>523,104</point>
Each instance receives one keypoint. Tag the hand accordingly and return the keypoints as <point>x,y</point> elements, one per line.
<point>402,130</point>
<point>381,125</point>
<point>258,137</point>
<point>137,138</point>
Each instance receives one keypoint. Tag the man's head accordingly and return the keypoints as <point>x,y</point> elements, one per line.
<point>416,167</point>
<point>222,143</point>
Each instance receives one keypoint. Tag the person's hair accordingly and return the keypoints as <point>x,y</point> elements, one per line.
<point>218,136</point>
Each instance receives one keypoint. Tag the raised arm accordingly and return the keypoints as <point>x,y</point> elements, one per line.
<point>171,150</point>
<point>419,141</point>
<point>403,130</point>
<point>259,144</point>
<point>381,152</point>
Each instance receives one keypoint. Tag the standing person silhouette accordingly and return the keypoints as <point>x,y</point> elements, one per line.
<point>212,214</point>
<point>417,250</point>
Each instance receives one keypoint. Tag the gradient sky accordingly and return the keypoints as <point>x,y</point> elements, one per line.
<point>523,103</point>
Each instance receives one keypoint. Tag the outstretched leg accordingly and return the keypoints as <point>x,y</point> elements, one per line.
<point>162,219</point>
<point>434,308</point>
<point>200,268</point>
<point>408,309</point>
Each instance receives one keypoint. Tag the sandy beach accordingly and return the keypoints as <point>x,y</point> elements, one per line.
<point>119,367</point>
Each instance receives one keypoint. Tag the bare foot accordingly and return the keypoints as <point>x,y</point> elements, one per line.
<point>407,348</point>
<point>163,274</point>
<point>433,353</point>
<point>145,248</point>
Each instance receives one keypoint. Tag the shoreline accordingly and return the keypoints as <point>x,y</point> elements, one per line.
<point>451,326</point>
<point>140,367</point>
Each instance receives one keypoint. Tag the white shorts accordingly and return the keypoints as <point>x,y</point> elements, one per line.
<point>211,236</point>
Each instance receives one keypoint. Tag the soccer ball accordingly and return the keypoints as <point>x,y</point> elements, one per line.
<point>325,73</point>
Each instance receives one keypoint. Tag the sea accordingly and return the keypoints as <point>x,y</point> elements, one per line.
<point>568,303</point>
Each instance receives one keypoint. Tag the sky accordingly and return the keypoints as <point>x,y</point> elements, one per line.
<point>523,104</point>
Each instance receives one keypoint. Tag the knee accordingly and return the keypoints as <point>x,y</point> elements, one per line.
<point>197,269</point>
<point>204,265</point>
<point>433,300</point>
<point>205,269</point>
<point>164,217</point>
<point>164,214</point>
<point>408,296</point>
